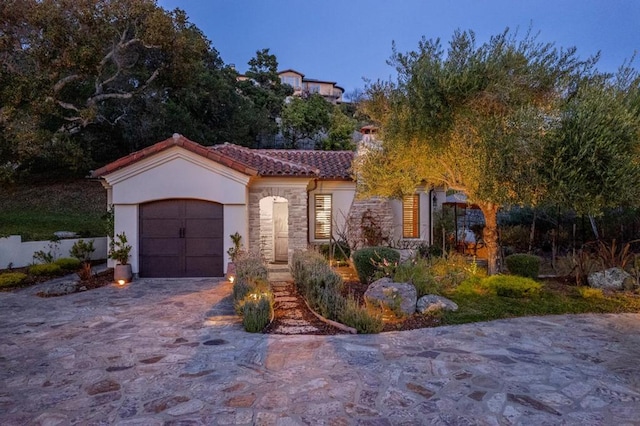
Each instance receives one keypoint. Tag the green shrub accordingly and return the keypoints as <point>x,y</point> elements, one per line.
<point>321,287</point>
<point>340,251</point>
<point>453,270</point>
<point>46,269</point>
<point>11,279</point>
<point>249,265</point>
<point>82,250</point>
<point>590,292</point>
<point>256,312</point>
<point>419,274</point>
<point>366,320</point>
<point>243,287</point>
<point>68,263</point>
<point>523,265</point>
<point>368,260</point>
<point>512,286</point>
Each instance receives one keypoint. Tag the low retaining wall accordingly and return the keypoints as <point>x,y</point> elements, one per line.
<point>16,253</point>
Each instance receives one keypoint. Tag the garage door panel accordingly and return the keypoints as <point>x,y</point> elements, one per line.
<point>203,228</point>
<point>181,238</point>
<point>162,209</point>
<point>158,228</point>
<point>162,246</point>
<point>203,209</point>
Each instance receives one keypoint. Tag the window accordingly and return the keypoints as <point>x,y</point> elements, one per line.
<point>411,216</point>
<point>322,216</point>
<point>291,81</point>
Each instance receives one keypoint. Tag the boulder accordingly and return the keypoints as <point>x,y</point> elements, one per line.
<point>402,296</point>
<point>65,234</point>
<point>432,303</point>
<point>610,279</point>
<point>59,288</point>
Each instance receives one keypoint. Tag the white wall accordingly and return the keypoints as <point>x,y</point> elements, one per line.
<point>342,194</point>
<point>17,253</point>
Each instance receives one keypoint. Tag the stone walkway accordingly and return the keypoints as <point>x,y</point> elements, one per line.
<point>172,352</point>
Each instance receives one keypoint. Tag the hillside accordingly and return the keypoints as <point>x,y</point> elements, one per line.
<point>37,210</point>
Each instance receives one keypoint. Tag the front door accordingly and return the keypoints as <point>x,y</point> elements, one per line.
<point>281,231</point>
<point>181,238</point>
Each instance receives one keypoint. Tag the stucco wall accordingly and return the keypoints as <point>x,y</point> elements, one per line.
<point>342,195</point>
<point>15,252</point>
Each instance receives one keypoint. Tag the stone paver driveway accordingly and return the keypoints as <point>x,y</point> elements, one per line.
<point>172,352</point>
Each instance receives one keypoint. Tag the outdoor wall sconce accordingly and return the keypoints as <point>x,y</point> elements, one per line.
<point>435,200</point>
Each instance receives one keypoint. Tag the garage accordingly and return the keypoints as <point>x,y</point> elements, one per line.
<point>181,238</point>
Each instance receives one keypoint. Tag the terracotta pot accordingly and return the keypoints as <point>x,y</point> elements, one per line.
<point>122,272</point>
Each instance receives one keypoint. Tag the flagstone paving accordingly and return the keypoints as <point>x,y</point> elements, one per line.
<point>172,352</point>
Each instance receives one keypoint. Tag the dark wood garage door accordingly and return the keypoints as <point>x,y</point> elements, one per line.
<point>181,238</point>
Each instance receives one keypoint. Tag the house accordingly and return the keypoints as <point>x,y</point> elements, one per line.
<point>301,86</point>
<point>178,203</point>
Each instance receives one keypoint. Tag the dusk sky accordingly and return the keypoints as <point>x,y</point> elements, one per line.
<point>348,40</point>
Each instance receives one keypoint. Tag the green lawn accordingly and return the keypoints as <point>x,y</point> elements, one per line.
<point>36,211</point>
<point>554,300</point>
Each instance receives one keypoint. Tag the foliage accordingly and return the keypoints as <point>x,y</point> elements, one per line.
<point>234,251</point>
<point>366,259</point>
<point>577,265</point>
<point>612,255</point>
<point>12,279</point>
<point>119,249</point>
<point>453,269</point>
<point>365,319</point>
<point>305,118</point>
<point>245,289</point>
<point>418,273</point>
<point>340,135</point>
<point>68,263</point>
<point>249,265</point>
<point>473,118</point>
<point>338,251</point>
<point>43,256</point>
<point>321,287</point>
<point>515,237</point>
<point>523,265</point>
<point>47,269</point>
<point>512,286</point>
<point>589,292</point>
<point>372,231</point>
<point>82,250</point>
<point>86,272</point>
<point>256,313</point>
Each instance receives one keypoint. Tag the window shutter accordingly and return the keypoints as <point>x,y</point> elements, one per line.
<point>411,216</point>
<point>323,216</point>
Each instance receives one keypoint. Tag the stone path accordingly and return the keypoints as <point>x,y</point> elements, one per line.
<point>172,352</point>
<point>292,320</point>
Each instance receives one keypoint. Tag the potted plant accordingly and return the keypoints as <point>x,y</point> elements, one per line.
<point>119,250</point>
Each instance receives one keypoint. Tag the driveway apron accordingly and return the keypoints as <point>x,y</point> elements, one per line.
<point>172,351</point>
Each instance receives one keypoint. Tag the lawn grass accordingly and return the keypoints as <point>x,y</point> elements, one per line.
<point>553,300</point>
<point>37,210</point>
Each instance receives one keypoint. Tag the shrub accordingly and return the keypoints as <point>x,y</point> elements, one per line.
<point>321,287</point>
<point>523,265</point>
<point>367,259</point>
<point>82,250</point>
<point>68,263</point>
<point>366,320</point>
<point>11,279</point>
<point>48,269</point>
<point>590,292</point>
<point>339,251</point>
<point>419,274</point>
<point>256,312</point>
<point>512,286</point>
<point>249,266</point>
<point>453,270</point>
<point>243,287</point>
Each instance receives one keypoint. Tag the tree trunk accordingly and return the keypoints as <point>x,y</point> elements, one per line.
<point>532,234</point>
<point>490,235</point>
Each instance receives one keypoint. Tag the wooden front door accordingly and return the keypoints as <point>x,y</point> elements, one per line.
<point>281,231</point>
<point>181,238</point>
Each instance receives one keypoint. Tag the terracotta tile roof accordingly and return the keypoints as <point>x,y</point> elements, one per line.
<point>252,162</point>
<point>285,162</point>
<point>175,140</point>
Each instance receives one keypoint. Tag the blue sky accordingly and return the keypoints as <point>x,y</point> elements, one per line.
<point>348,40</point>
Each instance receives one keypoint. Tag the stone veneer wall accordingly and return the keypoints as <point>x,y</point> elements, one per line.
<point>380,209</point>
<point>297,202</point>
